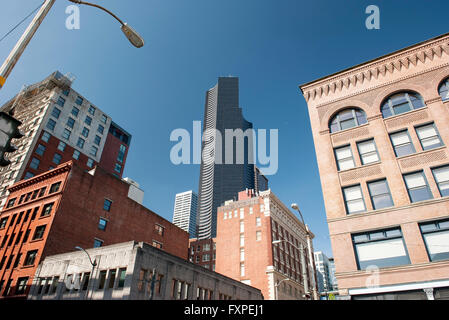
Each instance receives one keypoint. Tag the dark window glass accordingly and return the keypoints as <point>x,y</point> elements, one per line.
<point>346,119</point>
<point>40,150</point>
<point>107,205</point>
<point>400,103</point>
<point>380,194</point>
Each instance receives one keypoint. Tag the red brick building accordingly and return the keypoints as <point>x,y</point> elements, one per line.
<point>202,252</point>
<point>263,244</point>
<point>66,207</point>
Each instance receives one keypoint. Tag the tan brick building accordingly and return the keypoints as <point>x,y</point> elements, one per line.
<point>263,244</point>
<point>381,131</point>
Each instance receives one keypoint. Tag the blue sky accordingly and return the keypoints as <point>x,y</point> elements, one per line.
<point>272,46</point>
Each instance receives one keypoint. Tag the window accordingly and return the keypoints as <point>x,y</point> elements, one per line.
<point>104,119</point>
<point>380,194</point>
<point>121,153</point>
<point>442,179</point>
<point>11,203</point>
<point>436,238</point>
<point>121,277</point>
<point>42,192</point>
<point>258,235</point>
<point>35,163</point>
<point>76,154</point>
<point>92,110</point>
<point>57,158</point>
<point>61,146</point>
<point>61,101</point>
<point>382,249</point>
<point>402,143</point>
<point>206,257</point>
<point>51,124</point>
<point>344,158</point>
<point>444,90</point>
<point>88,120</point>
<point>400,103</point>
<point>346,119</point>
<point>80,143</point>
<point>3,222</point>
<point>100,129</point>
<point>79,100</point>
<point>55,187</point>
<point>86,278</point>
<point>417,187</point>
<point>242,269</point>
<point>242,254</point>
<point>66,92</point>
<point>242,226</point>
<point>56,113</point>
<point>102,224</point>
<point>93,151</point>
<point>66,134</point>
<point>258,222</point>
<point>354,199</point>
<point>46,136</point>
<point>242,240</point>
<point>107,205</point>
<point>90,163</point>
<point>157,244</point>
<point>47,209</point>
<point>85,132</point>
<point>30,258</point>
<point>40,150</point>
<point>429,137</point>
<point>75,111</point>
<point>112,274</point>
<point>97,243</point>
<point>39,233</point>
<point>102,279</point>
<point>97,140</point>
<point>118,168</point>
<point>21,285</point>
<point>159,229</point>
<point>368,151</point>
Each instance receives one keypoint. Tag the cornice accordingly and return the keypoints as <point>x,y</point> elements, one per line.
<point>366,72</point>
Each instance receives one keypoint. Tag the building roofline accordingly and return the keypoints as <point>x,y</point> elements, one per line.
<point>371,61</point>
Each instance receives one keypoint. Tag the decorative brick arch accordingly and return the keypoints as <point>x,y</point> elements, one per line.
<point>377,102</point>
<point>438,79</point>
<point>347,104</point>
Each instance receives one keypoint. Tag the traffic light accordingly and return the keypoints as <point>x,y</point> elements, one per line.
<point>9,129</point>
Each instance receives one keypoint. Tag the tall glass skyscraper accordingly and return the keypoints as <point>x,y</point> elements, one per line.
<point>221,180</point>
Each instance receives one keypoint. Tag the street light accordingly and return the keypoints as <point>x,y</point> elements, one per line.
<point>11,60</point>
<point>276,285</point>
<point>93,263</point>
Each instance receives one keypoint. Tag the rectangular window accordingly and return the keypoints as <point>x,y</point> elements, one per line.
<point>51,124</point>
<point>102,224</point>
<point>35,163</point>
<point>100,129</point>
<point>242,254</point>
<point>56,113</point>
<point>380,248</point>
<point>93,151</point>
<point>57,158</point>
<point>61,101</point>
<point>344,158</point>
<point>28,175</point>
<point>86,278</point>
<point>21,285</point>
<point>91,110</point>
<point>107,205</point>
<point>380,194</point>
<point>76,154</point>
<point>258,222</point>
<point>3,222</point>
<point>46,136</point>
<point>66,134</point>
<point>11,203</point>
<point>118,168</point>
<point>39,233</point>
<point>442,179</point>
<point>242,226</point>
<point>417,186</point>
<point>79,101</point>
<point>97,243</point>
<point>75,111</point>
<point>242,240</point>
<point>104,119</point>
<point>85,132</point>
<point>121,153</point>
<point>102,279</point>
<point>112,274</point>
<point>30,258</point>
<point>40,150</point>
<point>242,269</point>
<point>258,235</point>
<point>354,199</point>
<point>80,143</point>
<point>159,229</point>
<point>402,143</point>
<point>157,244</point>
<point>90,163</point>
<point>61,146</point>
<point>47,210</point>
<point>88,120</point>
<point>368,151</point>
<point>436,238</point>
<point>429,137</point>
<point>97,140</point>
<point>55,187</point>
<point>121,277</point>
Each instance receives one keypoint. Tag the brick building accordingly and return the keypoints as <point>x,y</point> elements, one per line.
<point>263,244</point>
<point>61,125</point>
<point>56,211</point>
<point>381,131</point>
<point>203,252</point>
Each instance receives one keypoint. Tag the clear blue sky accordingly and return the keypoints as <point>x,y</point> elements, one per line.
<point>272,45</point>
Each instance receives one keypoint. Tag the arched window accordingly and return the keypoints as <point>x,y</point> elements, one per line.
<point>401,102</point>
<point>443,90</point>
<point>346,119</point>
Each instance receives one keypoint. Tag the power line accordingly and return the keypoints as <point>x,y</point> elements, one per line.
<point>10,31</point>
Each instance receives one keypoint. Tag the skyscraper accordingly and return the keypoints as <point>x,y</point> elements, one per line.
<point>61,125</point>
<point>185,210</point>
<point>221,180</point>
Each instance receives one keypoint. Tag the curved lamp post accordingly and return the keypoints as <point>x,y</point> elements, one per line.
<point>276,285</point>
<point>19,48</point>
<point>93,263</point>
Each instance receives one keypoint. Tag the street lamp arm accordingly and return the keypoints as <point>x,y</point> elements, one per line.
<point>92,263</point>
<point>99,7</point>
